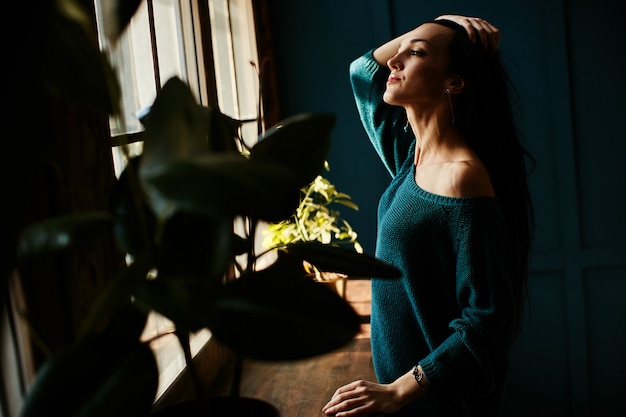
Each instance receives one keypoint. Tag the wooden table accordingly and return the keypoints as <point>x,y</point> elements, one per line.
<point>302,388</point>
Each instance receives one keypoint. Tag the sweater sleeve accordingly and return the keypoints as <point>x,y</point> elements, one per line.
<point>383,123</point>
<point>476,353</point>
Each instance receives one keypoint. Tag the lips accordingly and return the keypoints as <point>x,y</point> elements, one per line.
<point>392,79</point>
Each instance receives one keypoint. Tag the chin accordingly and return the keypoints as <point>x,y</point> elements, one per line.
<point>392,98</point>
<point>387,98</point>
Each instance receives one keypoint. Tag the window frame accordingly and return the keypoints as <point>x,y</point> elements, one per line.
<point>19,349</point>
<point>202,77</point>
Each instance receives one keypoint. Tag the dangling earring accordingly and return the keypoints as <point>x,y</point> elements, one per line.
<point>406,126</point>
<point>451,108</point>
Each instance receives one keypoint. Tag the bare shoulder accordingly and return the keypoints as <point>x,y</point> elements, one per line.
<point>468,179</point>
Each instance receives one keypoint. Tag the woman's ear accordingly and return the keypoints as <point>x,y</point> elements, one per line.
<point>456,85</point>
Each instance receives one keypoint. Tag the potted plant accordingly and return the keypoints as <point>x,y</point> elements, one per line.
<point>317,218</point>
<point>173,210</point>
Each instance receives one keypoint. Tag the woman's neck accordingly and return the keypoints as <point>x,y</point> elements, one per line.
<point>436,141</point>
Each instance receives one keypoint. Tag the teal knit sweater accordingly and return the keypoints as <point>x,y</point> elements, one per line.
<point>452,311</point>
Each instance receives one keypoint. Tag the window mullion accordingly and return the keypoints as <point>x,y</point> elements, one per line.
<point>153,43</point>
<point>207,59</point>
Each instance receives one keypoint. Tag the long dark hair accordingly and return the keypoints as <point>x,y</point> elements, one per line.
<point>484,115</point>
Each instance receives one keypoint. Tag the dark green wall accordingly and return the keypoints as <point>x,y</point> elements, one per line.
<point>567,61</point>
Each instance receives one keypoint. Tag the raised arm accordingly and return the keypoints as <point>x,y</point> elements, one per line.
<point>386,51</point>
<point>476,27</point>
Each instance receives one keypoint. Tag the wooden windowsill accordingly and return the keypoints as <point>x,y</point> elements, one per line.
<point>302,388</point>
<point>295,388</point>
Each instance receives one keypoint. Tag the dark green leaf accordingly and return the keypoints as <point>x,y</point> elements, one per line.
<point>196,245</point>
<point>279,314</point>
<point>175,128</point>
<point>175,297</point>
<point>97,376</point>
<point>222,131</point>
<point>300,142</point>
<point>135,222</point>
<point>62,232</point>
<point>126,325</point>
<point>219,407</point>
<point>118,292</point>
<point>228,184</point>
<point>341,260</point>
<point>72,65</point>
<point>116,15</point>
<point>129,391</point>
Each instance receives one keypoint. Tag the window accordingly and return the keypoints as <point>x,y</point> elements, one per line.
<point>169,38</point>
<point>211,45</point>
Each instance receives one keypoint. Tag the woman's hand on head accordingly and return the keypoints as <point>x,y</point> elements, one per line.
<point>476,28</point>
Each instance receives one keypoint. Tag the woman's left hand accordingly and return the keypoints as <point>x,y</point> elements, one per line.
<point>362,398</point>
<point>477,27</point>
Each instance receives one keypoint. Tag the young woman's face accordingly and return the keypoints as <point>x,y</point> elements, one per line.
<point>419,69</point>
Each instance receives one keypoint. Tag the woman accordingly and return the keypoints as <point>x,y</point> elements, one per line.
<point>456,219</point>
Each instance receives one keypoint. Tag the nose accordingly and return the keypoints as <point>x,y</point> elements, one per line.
<point>394,63</point>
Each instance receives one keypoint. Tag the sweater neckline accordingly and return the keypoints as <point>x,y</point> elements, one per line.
<point>409,169</point>
<point>444,199</point>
